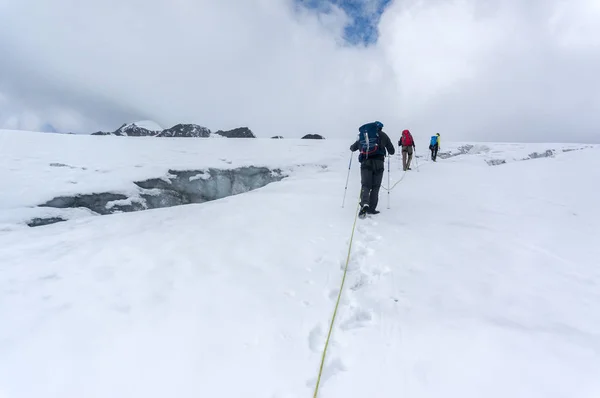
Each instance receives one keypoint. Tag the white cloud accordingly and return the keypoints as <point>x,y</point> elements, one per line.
<point>495,71</point>
<point>469,70</point>
<point>576,25</point>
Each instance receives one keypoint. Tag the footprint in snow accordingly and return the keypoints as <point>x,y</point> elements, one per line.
<point>330,369</point>
<point>358,318</point>
<point>362,280</point>
<point>360,251</point>
<point>364,247</point>
<point>369,238</point>
<point>320,260</point>
<point>333,294</point>
<point>364,244</point>
<point>315,339</point>
<point>353,265</point>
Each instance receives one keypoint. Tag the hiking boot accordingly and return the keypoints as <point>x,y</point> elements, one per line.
<point>363,211</point>
<point>373,211</point>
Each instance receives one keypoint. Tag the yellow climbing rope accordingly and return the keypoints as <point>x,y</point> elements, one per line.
<point>337,304</point>
<point>397,182</point>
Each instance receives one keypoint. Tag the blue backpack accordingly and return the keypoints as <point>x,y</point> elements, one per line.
<point>433,140</point>
<point>368,138</point>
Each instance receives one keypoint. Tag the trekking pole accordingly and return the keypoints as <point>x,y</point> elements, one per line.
<point>417,160</point>
<point>347,178</point>
<point>389,186</point>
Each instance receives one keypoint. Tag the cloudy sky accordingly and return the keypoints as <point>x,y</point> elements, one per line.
<point>491,70</point>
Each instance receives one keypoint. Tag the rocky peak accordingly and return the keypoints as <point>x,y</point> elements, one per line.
<point>139,129</point>
<point>313,137</point>
<point>186,130</point>
<point>240,132</point>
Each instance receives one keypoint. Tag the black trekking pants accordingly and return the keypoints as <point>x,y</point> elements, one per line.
<point>371,175</point>
<point>434,151</point>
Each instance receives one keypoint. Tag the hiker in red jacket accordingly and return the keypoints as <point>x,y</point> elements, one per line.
<point>408,144</point>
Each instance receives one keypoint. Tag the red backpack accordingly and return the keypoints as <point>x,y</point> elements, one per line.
<point>407,139</point>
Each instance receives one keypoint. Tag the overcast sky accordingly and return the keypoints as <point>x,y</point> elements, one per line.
<point>489,70</point>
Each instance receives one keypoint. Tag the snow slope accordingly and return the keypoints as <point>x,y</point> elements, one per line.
<point>478,281</point>
<point>40,167</point>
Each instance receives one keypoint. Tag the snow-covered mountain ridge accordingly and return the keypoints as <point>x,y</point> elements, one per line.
<point>148,128</point>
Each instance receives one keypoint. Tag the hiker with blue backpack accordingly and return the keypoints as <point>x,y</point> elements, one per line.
<point>434,146</point>
<point>372,143</point>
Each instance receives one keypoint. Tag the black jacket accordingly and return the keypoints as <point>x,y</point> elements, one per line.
<point>384,144</point>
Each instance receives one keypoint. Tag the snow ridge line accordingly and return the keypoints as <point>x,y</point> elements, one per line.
<point>337,303</point>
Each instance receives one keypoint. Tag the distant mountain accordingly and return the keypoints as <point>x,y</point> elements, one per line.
<point>313,137</point>
<point>142,128</point>
<point>147,128</point>
<point>186,130</point>
<point>240,132</point>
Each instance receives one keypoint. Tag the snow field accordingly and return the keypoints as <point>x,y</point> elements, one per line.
<point>478,281</point>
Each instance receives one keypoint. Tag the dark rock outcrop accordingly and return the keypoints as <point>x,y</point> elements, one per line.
<point>313,137</point>
<point>39,222</point>
<point>536,155</point>
<point>185,130</point>
<point>277,137</point>
<point>549,153</point>
<point>495,162</point>
<point>240,132</point>
<point>133,130</point>
<point>461,150</point>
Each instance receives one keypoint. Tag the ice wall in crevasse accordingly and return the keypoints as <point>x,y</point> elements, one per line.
<point>178,188</point>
